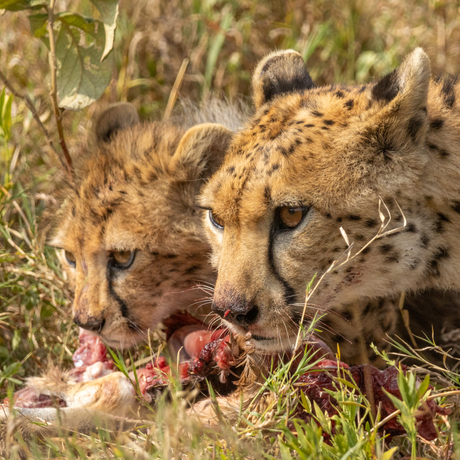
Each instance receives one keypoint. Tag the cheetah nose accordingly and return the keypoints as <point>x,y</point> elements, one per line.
<point>90,323</point>
<point>241,316</point>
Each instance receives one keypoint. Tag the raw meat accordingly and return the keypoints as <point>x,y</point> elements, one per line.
<point>212,355</point>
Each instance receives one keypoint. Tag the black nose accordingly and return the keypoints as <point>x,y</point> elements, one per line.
<point>238,315</point>
<point>91,323</point>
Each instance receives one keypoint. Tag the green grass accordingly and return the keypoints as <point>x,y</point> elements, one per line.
<point>342,41</point>
<point>261,429</point>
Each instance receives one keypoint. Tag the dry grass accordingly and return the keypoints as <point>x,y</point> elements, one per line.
<point>342,41</point>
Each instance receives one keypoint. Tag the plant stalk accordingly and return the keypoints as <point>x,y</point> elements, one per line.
<point>34,112</point>
<point>53,92</point>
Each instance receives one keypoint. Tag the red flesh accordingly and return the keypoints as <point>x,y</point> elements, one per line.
<point>210,353</point>
<point>91,352</point>
<point>315,384</point>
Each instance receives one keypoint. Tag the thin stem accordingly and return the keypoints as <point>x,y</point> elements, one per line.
<point>34,112</point>
<point>53,92</point>
<point>405,317</point>
<point>30,106</point>
<point>175,90</point>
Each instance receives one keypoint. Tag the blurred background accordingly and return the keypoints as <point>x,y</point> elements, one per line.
<point>341,41</point>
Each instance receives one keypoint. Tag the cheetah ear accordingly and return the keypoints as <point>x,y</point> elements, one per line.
<point>404,93</point>
<point>113,119</point>
<point>279,72</point>
<point>202,150</point>
<point>408,85</point>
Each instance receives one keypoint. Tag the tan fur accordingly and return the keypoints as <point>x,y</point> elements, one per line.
<point>161,167</point>
<point>34,424</point>
<point>113,393</point>
<point>336,151</point>
<point>136,192</point>
<point>135,189</point>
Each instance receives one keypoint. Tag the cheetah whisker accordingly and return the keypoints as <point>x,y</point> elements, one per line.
<point>200,302</point>
<point>205,285</point>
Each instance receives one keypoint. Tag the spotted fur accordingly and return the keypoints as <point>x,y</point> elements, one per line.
<point>134,190</point>
<point>336,151</point>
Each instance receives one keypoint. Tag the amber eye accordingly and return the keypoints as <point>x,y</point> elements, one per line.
<point>70,258</point>
<point>291,216</point>
<point>215,221</point>
<point>123,259</point>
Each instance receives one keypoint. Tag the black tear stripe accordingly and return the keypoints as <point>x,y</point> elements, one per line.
<point>119,300</point>
<point>289,292</point>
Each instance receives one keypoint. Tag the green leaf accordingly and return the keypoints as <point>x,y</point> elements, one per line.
<point>400,405</point>
<point>119,362</point>
<point>6,117</point>
<point>38,25</point>
<point>19,5</point>
<point>388,455</point>
<point>346,383</point>
<point>16,340</point>
<point>310,284</point>
<point>323,420</point>
<point>6,103</point>
<point>216,45</point>
<point>137,386</point>
<point>423,387</point>
<point>315,38</point>
<point>8,372</point>
<point>89,26</point>
<point>285,452</point>
<point>109,13</point>
<point>403,386</point>
<point>306,404</point>
<point>82,77</point>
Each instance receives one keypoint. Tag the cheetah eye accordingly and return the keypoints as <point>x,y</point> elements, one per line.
<point>215,221</point>
<point>289,217</point>
<point>123,259</point>
<point>70,258</point>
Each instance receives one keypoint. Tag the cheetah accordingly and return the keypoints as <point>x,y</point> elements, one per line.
<point>132,245</point>
<point>315,160</point>
<point>132,240</point>
<point>129,229</point>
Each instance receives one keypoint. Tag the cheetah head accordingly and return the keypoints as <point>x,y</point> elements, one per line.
<point>313,160</point>
<point>130,233</point>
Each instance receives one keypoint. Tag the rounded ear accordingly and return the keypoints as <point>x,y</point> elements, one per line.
<point>410,82</point>
<point>113,119</point>
<point>279,72</point>
<point>401,123</point>
<point>202,149</point>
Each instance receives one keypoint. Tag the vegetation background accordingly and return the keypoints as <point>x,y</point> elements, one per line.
<point>342,41</point>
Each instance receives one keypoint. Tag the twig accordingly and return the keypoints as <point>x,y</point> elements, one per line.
<point>21,213</point>
<point>31,107</point>
<point>53,92</point>
<point>175,89</point>
<point>405,317</point>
